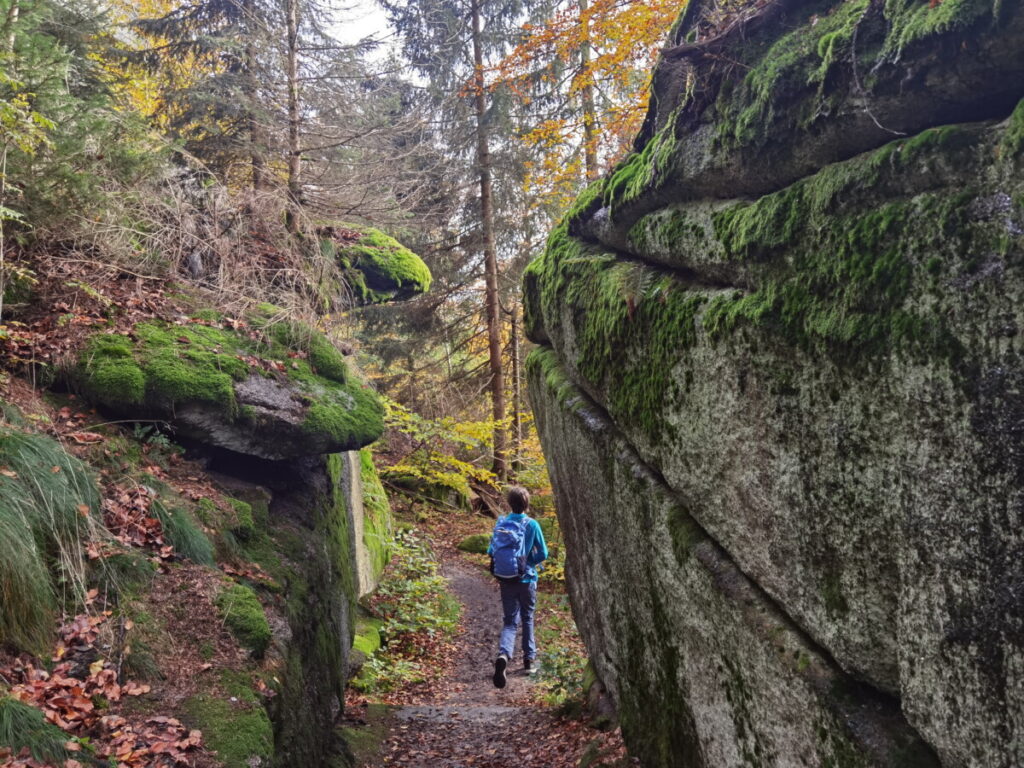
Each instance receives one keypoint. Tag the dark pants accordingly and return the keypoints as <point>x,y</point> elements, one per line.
<point>518,602</point>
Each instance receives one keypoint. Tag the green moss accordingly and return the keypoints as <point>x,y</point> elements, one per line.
<point>243,613</point>
<point>353,417</point>
<point>167,365</point>
<point>544,361</point>
<point>367,640</point>
<point>367,741</point>
<point>243,526</point>
<point>686,534</point>
<point>324,357</point>
<point>620,305</point>
<point>386,269</point>
<point>642,171</point>
<point>113,374</point>
<point>238,731</point>
<point>476,543</point>
<point>1013,141</point>
<point>376,515</point>
<point>24,726</point>
<point>795,61</point>
<point>912,21</point>
<point>334,528</point>
<point>832,594</point>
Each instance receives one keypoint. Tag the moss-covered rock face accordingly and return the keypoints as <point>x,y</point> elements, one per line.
<point>378,268</point>
<point>243,614</point>
<point>809,332</point>
<point>234,723</point>
<point>272,391</point>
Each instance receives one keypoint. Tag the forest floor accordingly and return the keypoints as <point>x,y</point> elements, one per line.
<point>462,720</point>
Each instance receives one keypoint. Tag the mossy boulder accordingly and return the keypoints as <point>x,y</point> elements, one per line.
<point>377,267</point>
<point>476,543</point>
<point>274,391</point>
<point>796,306</point>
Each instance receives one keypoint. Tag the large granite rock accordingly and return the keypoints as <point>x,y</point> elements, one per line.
<point>377,268</point>
<point>808,332</point>
<point>273,391</point>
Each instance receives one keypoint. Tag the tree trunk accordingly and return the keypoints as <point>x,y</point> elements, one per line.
<point>259,168</point>
<point>10,25</point>
<point>483,159</point>
<point>589,111</point>
<point>517,398</point>
<point>294,153</point>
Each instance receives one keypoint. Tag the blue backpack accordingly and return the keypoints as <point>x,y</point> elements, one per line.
<point>507,551</point>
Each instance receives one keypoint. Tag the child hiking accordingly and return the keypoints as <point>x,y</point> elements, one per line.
<point>517,546</point>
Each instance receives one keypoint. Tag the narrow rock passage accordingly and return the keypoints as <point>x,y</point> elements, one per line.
<point>475,724</point>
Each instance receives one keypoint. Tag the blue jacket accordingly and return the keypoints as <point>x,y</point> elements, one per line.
<point>533,544</point>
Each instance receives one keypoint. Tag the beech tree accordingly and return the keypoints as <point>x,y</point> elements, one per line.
<point>583,77</point>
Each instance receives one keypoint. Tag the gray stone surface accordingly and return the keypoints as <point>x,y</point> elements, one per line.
<point>828,378</point>
<point>705,667</point>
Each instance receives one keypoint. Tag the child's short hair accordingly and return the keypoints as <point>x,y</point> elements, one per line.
<point>518,498</point>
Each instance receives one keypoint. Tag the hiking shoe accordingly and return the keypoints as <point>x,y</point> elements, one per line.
<point>530,667</point>
<point>499,671</point>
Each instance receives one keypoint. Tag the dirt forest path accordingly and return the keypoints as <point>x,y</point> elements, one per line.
<point>474,724</point>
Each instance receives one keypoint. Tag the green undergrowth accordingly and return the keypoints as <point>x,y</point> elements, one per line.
<point>49,507</point>
<point>234,723</point>
<point>183,533</point>
<point>23,726</point>
<point>562,657</point>
<point>161,366</point>
<point>379,268</point>
<point>415,608</point>
<point>244,616</point>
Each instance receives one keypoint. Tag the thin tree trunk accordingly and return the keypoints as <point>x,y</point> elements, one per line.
<point>589,111</point>
<point>259,167</point>
<point>483,159</point>
<point>10,24</point>
<point>517,398</point>
<point>294,153</point>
